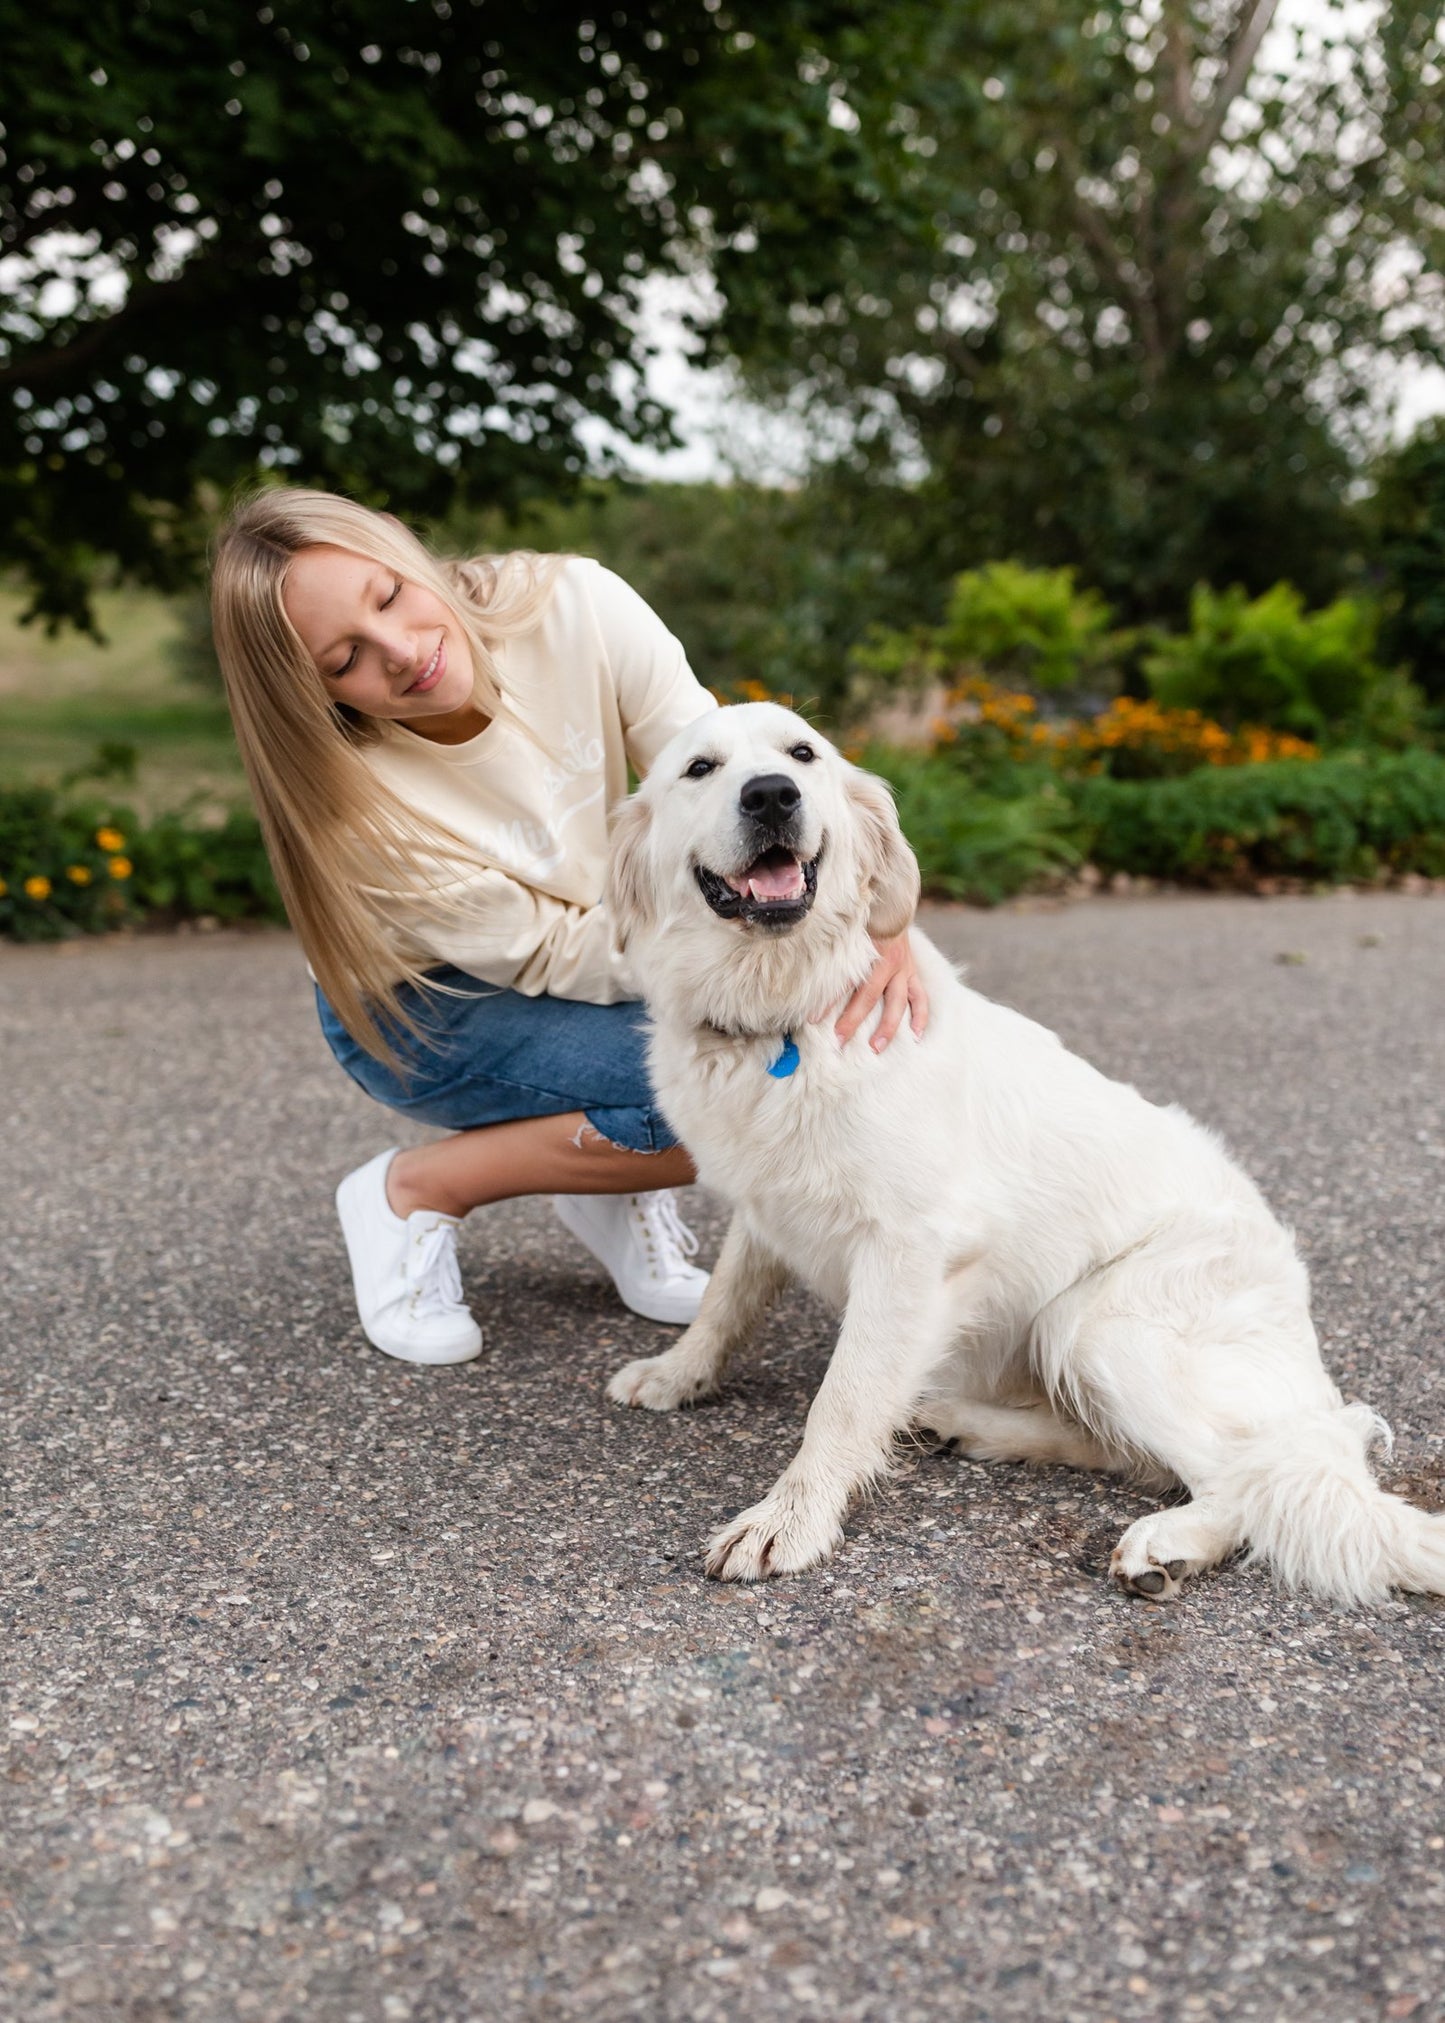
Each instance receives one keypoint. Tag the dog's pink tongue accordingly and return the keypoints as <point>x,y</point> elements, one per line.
<point>776,881</point>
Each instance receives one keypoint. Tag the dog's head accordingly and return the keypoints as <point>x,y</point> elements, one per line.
<point>752,823</point>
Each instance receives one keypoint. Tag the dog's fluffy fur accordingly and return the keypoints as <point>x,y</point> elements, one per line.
<point>1028,1258</point>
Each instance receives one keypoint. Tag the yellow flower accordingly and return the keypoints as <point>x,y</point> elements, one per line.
<point>37,888</point>
<point>4,888</point>
<point>110,839</point>
<point>120,867</point>
<point>754,691</point>
<point>77,874</point>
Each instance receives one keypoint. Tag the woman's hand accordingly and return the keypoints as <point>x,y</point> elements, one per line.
<point>894,978</point>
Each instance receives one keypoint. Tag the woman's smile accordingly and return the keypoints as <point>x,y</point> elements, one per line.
<point>382,643</point>
<point>432,673</point>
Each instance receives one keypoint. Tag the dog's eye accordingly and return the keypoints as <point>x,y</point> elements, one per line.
<point>700,768</point>
<point>804,754</point>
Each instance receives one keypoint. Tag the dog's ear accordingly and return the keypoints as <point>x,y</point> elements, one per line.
<point>629,898</point>
<point>890,868</point>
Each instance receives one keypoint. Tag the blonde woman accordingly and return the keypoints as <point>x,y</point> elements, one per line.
<point>433,747</point>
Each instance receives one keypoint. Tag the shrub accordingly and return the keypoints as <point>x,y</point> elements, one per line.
<point>1268,661</point>
<point>1352,816</point>
<point>185,868</point>
<point>63,869</point>
<point>972,845</point>
<point>1030,625</point>
<point>1003,622</point>
<point>71,867</point>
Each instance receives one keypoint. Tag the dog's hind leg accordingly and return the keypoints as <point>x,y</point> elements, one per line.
<point>1035,1433</point>
<point>896,1328</point>
<point>745,1282</point>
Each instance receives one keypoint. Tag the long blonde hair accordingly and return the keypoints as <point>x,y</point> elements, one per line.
<point>342,845</point>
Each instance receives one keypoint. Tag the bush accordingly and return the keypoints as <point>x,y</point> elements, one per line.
<point>1268,661</point>
<point>185,869</point>
<point>71,867</point>
<point>971,845</point>
<point>1353,816</point>
<point>63,869</point>
<point>1029,625</point>
<point>1002,623</point>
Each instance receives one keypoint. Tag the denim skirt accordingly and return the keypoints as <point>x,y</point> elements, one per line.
<point>488,1056</point>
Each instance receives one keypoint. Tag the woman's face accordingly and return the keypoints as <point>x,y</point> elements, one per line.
<point>383,645</point>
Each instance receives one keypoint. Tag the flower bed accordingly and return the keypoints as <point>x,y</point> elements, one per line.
<point>70,867</point>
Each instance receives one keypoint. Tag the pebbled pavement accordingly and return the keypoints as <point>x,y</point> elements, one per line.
<point>346,1691</point>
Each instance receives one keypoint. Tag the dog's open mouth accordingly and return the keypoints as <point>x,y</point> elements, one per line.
<point>775,890</point>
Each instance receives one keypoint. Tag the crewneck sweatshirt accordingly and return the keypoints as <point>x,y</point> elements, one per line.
<point>598,682</point>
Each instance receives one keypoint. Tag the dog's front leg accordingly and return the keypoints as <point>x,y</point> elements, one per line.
<point>745,1281</point>
<point>894,1330</point>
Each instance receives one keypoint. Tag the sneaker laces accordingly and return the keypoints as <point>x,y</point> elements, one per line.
<point>670,1243</point>
<point>431,1269</point>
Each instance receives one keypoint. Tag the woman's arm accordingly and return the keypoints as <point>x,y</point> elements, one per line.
<point>507,933</point>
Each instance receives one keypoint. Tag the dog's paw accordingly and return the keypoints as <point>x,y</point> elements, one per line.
<point>778,1535</point>
<point>1156,1580</point>
<point>1158,1553</point>
<point>659,1384</point>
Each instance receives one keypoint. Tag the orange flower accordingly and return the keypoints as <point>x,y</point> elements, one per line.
<point>110,839</point>
<point>78,874</point>
<point>37,888</point>
<point>120,867</point>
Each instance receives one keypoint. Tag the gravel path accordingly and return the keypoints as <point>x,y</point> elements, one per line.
<point>347,1691</point>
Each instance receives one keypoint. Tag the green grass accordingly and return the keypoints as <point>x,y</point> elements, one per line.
<point>60,698</point>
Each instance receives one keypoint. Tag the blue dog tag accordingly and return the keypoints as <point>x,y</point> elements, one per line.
<point>787,1060</point>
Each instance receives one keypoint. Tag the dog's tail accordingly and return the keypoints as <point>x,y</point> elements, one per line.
<point>1308,1503</point>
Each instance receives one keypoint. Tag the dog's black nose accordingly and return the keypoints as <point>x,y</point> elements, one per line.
<point>770,799</point>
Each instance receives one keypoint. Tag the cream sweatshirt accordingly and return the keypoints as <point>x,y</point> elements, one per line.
<point>600,681</point>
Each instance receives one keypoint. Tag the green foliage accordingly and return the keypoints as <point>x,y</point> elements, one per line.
<point>1268,661</point>
<point>70,866</point>
<point>1029,625</point>
<point>57,875</point>
<point>1349,817</point>
<point>186,868</point>
<point>972,845</point>
<point>393,250</point>
<point>761,586</point>
<point>1407,522</point>
<point>1004,621</point>
<point>1144,338</point>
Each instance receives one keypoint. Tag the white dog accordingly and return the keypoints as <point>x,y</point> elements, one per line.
<point>1028,1258</point>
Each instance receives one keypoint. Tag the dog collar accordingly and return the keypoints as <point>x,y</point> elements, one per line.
<point>787,1061</point>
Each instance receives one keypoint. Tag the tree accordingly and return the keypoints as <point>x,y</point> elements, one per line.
<point>1177,250</point>
<point>395,249</point>
<point>1407,517</point>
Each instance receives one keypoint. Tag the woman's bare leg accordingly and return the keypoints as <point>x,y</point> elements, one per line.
<point>533,1155</point>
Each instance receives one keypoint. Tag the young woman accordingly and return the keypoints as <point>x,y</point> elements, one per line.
<point>433,747</point>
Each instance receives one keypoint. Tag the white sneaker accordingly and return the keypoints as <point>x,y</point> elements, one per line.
<point>645,1245</point>
<point>408,1284</point>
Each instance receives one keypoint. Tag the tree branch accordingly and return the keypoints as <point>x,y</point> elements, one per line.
<point>1250,30</point>
<point>1125,275</point>
<point>1178,63</point>
<point>40,365</point>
